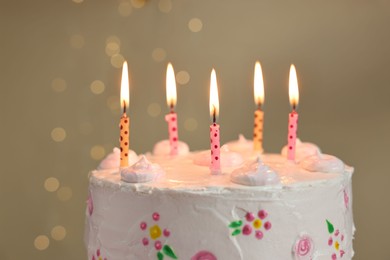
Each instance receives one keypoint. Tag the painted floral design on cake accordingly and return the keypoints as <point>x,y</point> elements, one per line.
<point>156,236</point>
<point>335,241</point>
<point>204,255</point>
<point>252,224</point>
<point>346,198</point>
<point>98,256</point>
<point>90,204</point>
<point>303,248</point>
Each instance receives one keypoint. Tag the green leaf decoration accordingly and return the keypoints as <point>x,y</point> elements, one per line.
<point>169,252</point>
<point>236,232</point>
<point>160,256</point>
<point>236,224</point>
<point>330,227</point>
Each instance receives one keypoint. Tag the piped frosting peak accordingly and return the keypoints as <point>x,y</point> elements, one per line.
<point>303,150</point>
<point>163,148</point>
<point>255,173</point>
<point>228,158</point>
<point>112,160</point>
<point>323,163</point>
<point>142,171</point>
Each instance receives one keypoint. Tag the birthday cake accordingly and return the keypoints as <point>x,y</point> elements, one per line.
<point>261,206</point>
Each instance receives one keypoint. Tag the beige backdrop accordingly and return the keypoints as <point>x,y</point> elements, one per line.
<point>59,78</point>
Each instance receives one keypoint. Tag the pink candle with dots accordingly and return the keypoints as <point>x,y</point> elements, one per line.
<point>171,118</point>
<point>293,116</point>
<point>215,165</point>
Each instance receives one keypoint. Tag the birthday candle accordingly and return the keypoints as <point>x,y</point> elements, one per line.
<point>215,166</point>
<point>125,120</point>
<point>171,118</point>
<point>293,116</point>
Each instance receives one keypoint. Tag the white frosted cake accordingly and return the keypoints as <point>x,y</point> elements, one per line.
<point>262,207</point>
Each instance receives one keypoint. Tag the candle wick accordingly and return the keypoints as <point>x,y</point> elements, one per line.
<point>172,107</point>
<point>294,106</point>
<point>259,106</point>
<point>124,107</point>
<point>214,114</point>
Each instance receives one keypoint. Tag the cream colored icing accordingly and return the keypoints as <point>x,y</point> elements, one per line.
<point>141,171</point>
<point>241,145</point>
<point>112,160</point>
<point>228,158</point>
<point>255,173</point>
<point>303,150</point>
<point>323,163</point>
<point>163,148</point>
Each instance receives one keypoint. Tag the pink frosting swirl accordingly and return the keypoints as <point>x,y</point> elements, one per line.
<point>303,248</point>
<point>204,255</point>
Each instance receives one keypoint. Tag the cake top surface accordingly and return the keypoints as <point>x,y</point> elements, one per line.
<point>185,172</point>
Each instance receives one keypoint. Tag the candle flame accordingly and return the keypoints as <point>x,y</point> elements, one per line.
<point>214,100</point>
<point>293,87</point>
<point>171,86</point>
<point>125,93</point>
<point>258,85</point>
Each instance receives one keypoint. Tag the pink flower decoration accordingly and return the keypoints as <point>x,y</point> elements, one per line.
<point>166,232</point>
<point>267,225</point>
<point>156,216</point>
<point>342,252</point>
<point>259,235</point>
<point>204,255</point>
<point>143,225</point>
<point>337,232</point>
<point>90,204</point>
<point>145,241</point>
<point>247,230</point>
<point>303,248</point>
<point>262,214</point>
<point>334,257</point>
<point>158,245</point>
<point>330,241</point>
<point>249,216</point>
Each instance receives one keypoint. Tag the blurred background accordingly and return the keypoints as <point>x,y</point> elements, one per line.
<point>59,104</point>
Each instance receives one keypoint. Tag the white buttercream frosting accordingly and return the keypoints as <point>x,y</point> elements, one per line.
<point>323,163</point>
<point>164,148</point>
<point>142,171</point>
<point>228,158</point>
<point>112,160</point>
<point>242,145</point>
<point>302,150</point>
<point>255,173</point>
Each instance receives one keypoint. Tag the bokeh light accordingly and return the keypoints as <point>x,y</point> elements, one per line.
<point>182,77</point>
<point>97,87</point>
<point>113,104</point>
<point>64,193</point>
<point>117,60</point>
<point>51,184</point>
<point>138,3</point>
<point>125,8</point>
<point>190,124</point>
<point>165,6</point>
<point>58,233</point>
<point>195,25</point>
<point>97,152</point>
<point>41,242</point>
<point>154,109</point>
<point>58,85</point>
<point>77,41</point>
<point>112,48</point>
<point>159,54</point>
<point>78,1</point>
<point>58,134</point>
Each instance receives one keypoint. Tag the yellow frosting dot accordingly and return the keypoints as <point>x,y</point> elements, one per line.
<point>257,223</point>
<point>155,232</point>
<point>336,245</point>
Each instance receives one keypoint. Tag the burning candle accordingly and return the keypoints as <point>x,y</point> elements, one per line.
<point>125,120</point>
<point>171,118</point>
<point>259,114</point>
<point>215,166</point>
<point>293,116</point>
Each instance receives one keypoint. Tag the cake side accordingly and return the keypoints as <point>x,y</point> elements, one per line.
<point>188,214</point>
